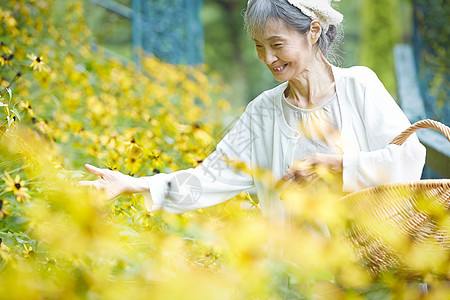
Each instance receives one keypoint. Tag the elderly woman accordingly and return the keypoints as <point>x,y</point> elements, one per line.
<point>343,119</point>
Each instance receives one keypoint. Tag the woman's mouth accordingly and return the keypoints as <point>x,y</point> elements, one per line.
<point>279,68</point>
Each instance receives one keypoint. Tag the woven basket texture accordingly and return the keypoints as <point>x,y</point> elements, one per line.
<point>389,222</point>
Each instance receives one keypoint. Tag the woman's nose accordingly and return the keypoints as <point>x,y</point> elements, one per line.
<point>269,58</point>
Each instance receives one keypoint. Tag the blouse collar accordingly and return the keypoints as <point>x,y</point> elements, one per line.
<point>343,105</point>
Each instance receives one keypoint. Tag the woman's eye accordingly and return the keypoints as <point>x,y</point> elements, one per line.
<point>278,45</point>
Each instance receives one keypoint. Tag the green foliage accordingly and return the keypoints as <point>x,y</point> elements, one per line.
<point>350,45</point>
<point>380,31</point>
<point>109,29</point>
<point>231,53</point>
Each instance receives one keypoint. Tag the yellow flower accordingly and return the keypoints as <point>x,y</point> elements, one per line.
<point>110,164</point>
<point>5,84</point>
<point>27,106</point>
<point>201,135</point>
<point>6,59</point>
<point>132,164</point>
<point>27,251</point>
<point>17,186</point>
<point>4,251</point>
<point>9,20</point>
<point>5,49</point>
<point>133,149</point>
<point>3,208</point>
<point>37,63</point>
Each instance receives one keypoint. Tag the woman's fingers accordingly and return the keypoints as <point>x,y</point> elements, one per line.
<point>94,183</point>
<point>299,172</point>
<point>303,165</point>
<point>307,170</point>
<point>301,175</point>
<point>94,170</point>
<point>113,183</point>
<point>107,183</point>
<point>85,183</point>
<point>286,177</point>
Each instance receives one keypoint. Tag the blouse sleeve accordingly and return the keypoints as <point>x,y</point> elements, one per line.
<point>217,179</point>
<point>384,163</point>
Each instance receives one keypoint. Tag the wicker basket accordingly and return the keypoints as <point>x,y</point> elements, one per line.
<point>389,222</point>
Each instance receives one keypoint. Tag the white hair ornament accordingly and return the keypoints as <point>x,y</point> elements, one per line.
<point>320,10</point>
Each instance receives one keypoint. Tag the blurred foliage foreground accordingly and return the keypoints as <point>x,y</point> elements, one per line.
<point>63,106</point>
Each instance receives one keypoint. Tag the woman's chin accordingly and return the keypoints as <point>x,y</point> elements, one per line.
<point>280,77</point>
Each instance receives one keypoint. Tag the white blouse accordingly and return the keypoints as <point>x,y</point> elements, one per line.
<point>319,128</point>
<point>263,141</point>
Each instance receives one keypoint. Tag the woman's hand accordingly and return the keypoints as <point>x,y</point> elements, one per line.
<point>303,171</point>
<point>114,183</point>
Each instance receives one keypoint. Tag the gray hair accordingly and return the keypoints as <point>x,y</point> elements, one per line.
<point>260,11</point>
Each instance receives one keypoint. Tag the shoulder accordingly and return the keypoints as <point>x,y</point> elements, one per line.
<point>358,74</point>
<point>361,87</point>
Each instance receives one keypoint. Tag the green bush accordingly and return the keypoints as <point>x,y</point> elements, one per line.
<point>380,31</point>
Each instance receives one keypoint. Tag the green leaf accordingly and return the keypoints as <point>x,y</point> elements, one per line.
<point>16,223</point>
<point>21,241</point>
<point>9,92</point>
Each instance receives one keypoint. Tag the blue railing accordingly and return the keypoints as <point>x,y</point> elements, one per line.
<point>170,30</point>
<point>422,77</point>
<point>413,104</point>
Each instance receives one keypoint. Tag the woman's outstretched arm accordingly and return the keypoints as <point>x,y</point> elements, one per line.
<point>216,180</point>
<point>114,183</point>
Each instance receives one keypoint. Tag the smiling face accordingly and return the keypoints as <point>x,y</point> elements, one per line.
<point>285,51</point>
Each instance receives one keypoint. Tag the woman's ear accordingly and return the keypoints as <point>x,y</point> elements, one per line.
<point>315,30</point>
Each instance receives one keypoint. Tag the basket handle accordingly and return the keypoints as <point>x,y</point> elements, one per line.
<point>428,124</point>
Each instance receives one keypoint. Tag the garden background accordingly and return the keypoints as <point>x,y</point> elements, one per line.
<point>230,52</point>
<point>66,103</point>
